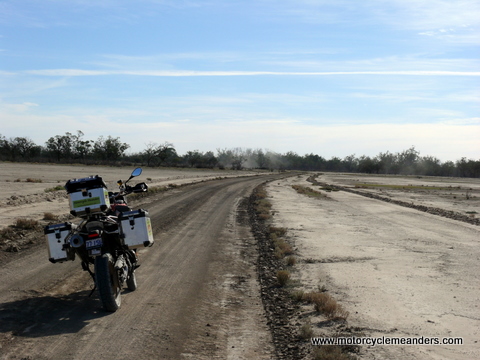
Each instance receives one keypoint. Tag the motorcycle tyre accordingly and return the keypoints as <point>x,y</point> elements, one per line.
<point>108,284</point>
<point>132,282</point>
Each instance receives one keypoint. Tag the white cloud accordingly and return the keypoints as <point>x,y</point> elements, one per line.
<point>416,94</point>
<point>463,121</point>
<point>434,14</point>
<point>16,108</point>
<point>414,62</point>
<point>188,73</point>
<point>457,18</point>
<point>6,73</point>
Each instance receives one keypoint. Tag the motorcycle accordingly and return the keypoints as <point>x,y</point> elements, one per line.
<point>106,239</point>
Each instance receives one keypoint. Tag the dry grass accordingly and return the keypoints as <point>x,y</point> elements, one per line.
<point>30,180</point>
<point>56,188</point>
<point>26,224</point>
<point>283,276</point>
<point>260,192</point>
<point>306,331</point>
<point>305,190</point>
<point>7,234</point>
<point>282,248</point>
<point>330,352</point>
<point>329,188</point>
<point>12,232</point>
<point>401,187</point>
<point>50,216</point>
<point>326,305</point>
<point>262,205</point>
<point>297,295</point>
<point>291,261</point>
<point>278,231</point>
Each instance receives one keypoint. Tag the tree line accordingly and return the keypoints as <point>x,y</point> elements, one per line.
<point>73,148</point>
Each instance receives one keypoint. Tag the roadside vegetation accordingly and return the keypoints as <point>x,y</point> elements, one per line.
<point>19,230</point>
<point>305,190</point>
<point>26,224</point>
<point>74,148</point>
<point>401,187</point>
<point>321,302</point>
<point>55,188</point>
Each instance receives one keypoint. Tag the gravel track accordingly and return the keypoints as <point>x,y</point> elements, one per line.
<point>198,295</point>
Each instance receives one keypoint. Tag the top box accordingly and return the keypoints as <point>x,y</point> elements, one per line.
<point>91,182</point>
<point>87,196</point>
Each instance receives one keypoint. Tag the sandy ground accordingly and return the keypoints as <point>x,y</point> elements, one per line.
<point>461,195</point>
<point>398,271</point>
<point>22,186</point>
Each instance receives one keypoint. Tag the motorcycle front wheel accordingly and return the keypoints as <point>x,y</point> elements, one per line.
<point>108,284</point>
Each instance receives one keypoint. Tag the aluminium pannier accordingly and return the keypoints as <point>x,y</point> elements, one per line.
<point>55,236</point>
<point>87,195</point>
<point>136,229</point>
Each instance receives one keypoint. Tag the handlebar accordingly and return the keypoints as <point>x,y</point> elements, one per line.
<point>139,188</point>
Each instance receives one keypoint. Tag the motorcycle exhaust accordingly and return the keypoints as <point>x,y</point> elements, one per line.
<point>77,241</point>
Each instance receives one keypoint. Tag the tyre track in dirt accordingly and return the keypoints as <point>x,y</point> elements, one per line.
<point>192,282</point>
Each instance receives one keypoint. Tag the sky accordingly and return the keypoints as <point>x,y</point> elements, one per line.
<point>329,77</point>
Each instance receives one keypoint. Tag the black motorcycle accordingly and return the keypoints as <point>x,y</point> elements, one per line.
<point>106,239</point>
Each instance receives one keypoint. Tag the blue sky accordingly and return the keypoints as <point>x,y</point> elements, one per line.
<point>333,78</point>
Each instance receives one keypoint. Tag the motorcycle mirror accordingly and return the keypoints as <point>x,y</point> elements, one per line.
<point>136,172</point>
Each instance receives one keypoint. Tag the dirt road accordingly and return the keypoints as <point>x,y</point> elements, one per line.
<point>197,298</point>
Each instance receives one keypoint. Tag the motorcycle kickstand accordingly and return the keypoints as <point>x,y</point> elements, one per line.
<point>85,267</point>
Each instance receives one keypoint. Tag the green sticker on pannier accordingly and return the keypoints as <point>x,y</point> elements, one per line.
<point>86,202</point>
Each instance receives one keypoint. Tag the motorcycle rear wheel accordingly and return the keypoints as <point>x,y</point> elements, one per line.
<point>108,284</point>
